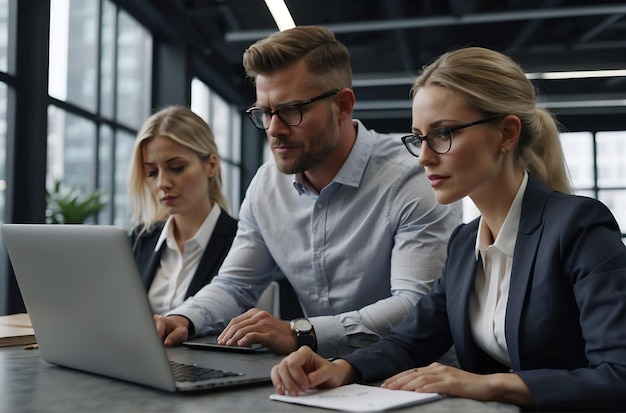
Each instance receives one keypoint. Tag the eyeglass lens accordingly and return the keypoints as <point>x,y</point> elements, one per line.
<point>439,141</point>
<point>290,115</point>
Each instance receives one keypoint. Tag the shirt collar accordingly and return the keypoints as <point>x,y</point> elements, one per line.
<point>201,237</point>
<point>352,169</point>
<point>505,241</point>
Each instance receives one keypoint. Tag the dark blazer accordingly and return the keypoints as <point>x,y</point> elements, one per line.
<point>219,244</point>
<point>565,322</point>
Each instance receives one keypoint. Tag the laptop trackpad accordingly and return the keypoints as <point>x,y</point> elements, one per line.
<point>210,343</point>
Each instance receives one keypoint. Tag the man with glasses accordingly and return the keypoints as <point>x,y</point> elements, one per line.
<point>344,212</point>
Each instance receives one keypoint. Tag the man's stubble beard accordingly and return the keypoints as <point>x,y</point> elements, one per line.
<point>309,159</point>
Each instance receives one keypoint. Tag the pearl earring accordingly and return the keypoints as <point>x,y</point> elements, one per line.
<point>503,151</point>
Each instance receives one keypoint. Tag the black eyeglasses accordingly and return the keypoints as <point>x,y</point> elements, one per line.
<point>290,114</point>
<point>440,140</point>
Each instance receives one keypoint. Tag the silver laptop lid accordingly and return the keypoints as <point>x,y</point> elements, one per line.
<point>84,295</point>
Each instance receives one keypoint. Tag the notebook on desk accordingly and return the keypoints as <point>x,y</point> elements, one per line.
<point>90,312</point>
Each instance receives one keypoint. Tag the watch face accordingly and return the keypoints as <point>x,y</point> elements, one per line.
<point>302,324</point>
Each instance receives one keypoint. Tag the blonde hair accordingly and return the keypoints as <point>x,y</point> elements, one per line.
<point>327,58</point>
<point>493,83</point>
<point>186,128</point>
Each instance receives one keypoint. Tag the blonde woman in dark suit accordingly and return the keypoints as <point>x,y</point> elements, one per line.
<point>182,230</point>
<point>533,292</point>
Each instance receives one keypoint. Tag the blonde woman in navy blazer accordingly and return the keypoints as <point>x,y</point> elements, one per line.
<point>182,230</point>
<point>533,293</point>
<point>148,258</point>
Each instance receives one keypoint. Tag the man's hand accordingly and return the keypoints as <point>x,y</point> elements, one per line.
<point>258,326</point>
<point>172,329</point>
<point>304,369</point>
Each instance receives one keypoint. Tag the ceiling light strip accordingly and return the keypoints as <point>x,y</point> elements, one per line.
<point>281,14</point>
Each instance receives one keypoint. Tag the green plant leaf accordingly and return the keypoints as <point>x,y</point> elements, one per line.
<point>67,205</point>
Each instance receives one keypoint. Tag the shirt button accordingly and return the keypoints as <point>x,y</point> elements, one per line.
<point>320,206</point>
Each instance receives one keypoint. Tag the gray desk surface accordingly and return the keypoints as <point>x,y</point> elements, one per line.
<point>29,384</point>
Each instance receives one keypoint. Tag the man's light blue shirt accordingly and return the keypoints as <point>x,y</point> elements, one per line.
<point>359,254</point>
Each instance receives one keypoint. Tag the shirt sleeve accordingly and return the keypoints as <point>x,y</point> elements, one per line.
<point>245,273</point>
<point>421,231</point>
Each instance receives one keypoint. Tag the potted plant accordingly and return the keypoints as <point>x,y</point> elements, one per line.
<point>67,205</point>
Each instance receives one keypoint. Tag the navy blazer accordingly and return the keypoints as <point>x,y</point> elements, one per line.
<point>219,244</point>
<point>565,321</point>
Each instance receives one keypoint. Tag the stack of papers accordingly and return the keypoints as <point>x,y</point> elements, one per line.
<point>16,330</point>
<point>358,398</point>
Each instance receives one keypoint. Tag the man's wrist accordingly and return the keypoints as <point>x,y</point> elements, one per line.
<point>305,333</point>
<point>186,322</point>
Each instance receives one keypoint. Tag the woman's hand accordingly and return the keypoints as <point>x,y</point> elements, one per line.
<point>304,369</point>
<point>440,378</point>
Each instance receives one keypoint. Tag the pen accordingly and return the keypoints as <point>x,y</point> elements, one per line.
<point>31,346</point>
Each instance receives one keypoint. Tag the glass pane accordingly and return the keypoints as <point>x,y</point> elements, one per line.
<point>200,99</point>
<point>105,172</point>
<point>73,51</point>
<point>220,123</point>
<point>3,148</point>
<point>616,201</point>
<point>71,155</point>
<point>107,59</point>
<point>133,72</point>
<point>71,150</point>
<point>231,188</point>
<point>611,159</point>
<point>578,150</point>
<point>124,143</point>
<point>4,35</point>
<point>225,121</point>
<point>235,135</point>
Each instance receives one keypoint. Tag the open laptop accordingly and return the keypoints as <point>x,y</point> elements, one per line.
<point>90,311</point>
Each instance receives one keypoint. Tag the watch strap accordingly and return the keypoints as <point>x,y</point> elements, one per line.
<point>305,339</point>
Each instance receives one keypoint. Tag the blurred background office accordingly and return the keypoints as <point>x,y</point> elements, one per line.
<point>78,77</point>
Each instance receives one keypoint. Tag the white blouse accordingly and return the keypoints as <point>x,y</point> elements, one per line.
<point>488,301</point>
<point>177,269</point>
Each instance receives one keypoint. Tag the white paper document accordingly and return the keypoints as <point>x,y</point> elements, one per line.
<point>358,398</point>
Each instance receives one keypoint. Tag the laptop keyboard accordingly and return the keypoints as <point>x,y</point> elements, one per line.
<point>192,373</point>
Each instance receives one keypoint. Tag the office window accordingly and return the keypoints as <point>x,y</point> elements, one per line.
<point>578,151</point>
<point>124,143</point>
<point>596,163</point>
<point>71,150</point>
<point>5,65</point>
<point>611,159</point>
<point>134,57</point>
<point>106,171</point>
<point>3,149</point>
<point>100,85</point>
<point>225,122</point>
<point>4,35</point>
<point>107,60</point>
<point>74,52</point>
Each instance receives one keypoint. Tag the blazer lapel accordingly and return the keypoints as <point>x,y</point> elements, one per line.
<point>149,259</point>
<point>153,265</point>
<point>461,274</point>
<point>526,246</point>
<point>214,253</point>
